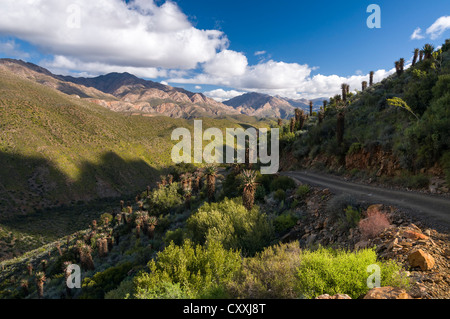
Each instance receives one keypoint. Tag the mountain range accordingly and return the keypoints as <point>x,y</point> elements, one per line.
<point>126,93</point>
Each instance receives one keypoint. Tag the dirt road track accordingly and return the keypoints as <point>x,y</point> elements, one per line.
<point>433,209</point>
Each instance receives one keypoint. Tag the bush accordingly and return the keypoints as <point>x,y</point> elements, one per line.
<point>102,282</point>
<point>176,236</point>
<point>280,195</point>
<point>303,191</point>
<point>268,275</point>
<point>337,206</point>
<point>373,225</point>
<point>327,271</point>
<point>165,199</point>
<point>412,181</point>
<point>231,224</point>
<point>282,182</point>
<point>284,222</point>
<point>188,271</point>
<point>260,193</point>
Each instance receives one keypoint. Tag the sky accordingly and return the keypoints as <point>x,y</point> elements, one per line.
<point>224,48</point>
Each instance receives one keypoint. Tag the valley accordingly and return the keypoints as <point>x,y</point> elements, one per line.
<point>87,179</point>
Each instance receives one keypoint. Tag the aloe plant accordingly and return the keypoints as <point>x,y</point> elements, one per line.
<point>249,183</point>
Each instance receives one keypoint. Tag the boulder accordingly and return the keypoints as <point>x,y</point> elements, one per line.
<point>419,258</point>
<point>387,293</point>
<point>414,235</point>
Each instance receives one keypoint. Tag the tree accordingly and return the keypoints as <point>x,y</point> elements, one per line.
<point>364,85</point>
<point>292,125</point>
<point>420,55</point>
<point>416,55</point>
<point>371,78</point>
<point>211,175</point>
<point>428,50</point>
<point>345,88</point>
<point>40,279</point>
<point>401,63</point>
<point>298,115</point>
<point>249,182</point>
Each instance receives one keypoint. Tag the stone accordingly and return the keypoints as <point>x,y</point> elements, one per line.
<point>338,296</point>
<point>419,258</point>
<point>387,293</point>
<point>414,235</point>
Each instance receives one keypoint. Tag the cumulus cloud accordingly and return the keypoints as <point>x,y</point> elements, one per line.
<point>289,80</point>
<point>137,34</point>
<point>439,27</point>
<point>417,34</point>
<point>227,63</point>
<point>221,95</point>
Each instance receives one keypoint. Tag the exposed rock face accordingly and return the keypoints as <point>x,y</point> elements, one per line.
<point>383,162</point>
<point>387,293</point>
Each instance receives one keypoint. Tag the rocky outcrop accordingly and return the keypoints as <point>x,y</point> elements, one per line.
<point>384,163</point>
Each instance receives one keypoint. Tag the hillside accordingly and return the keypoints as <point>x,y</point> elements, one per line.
<point>396,130</point>
<point>58,149</point>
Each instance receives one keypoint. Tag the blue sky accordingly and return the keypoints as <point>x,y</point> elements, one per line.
<point>297,49</point>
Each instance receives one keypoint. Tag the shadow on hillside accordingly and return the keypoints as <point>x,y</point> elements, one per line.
<point>29,183</point>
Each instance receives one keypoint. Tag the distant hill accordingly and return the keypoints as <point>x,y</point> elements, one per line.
<point>57,148</point>
<point>264,105</point>
<point>124,92</point>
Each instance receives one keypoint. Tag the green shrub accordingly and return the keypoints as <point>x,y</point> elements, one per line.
<point>165,199</point>
<point>188,271</point>
<point>176,236</point>
<point>231,224</point>
<point>102,282</point>
<point>280,195</point>
<point>282,182</point>
<point>354,148</point>
<point>270,274</point>
<point>260,193</point>
<point>409,180</point>
<point>303,191</point>
<point>284,222</point>
<point>327,271</point>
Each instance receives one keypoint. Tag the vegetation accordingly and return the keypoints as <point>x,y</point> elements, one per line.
<point>374,120</point>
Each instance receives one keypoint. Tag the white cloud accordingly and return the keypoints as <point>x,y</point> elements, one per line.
<point>198,87</point>
<point>221,95</point>
<point>439,27</point>
<point>11,48</point>
<point>139,34</point>
<point>290,80</point>
<point>417,34</point>
<point>227,64</point>
<point>260,53</point>
<point>70,66</point>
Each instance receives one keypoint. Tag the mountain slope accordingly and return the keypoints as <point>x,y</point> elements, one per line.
<point>123,92</point>
<point>56,148</point>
